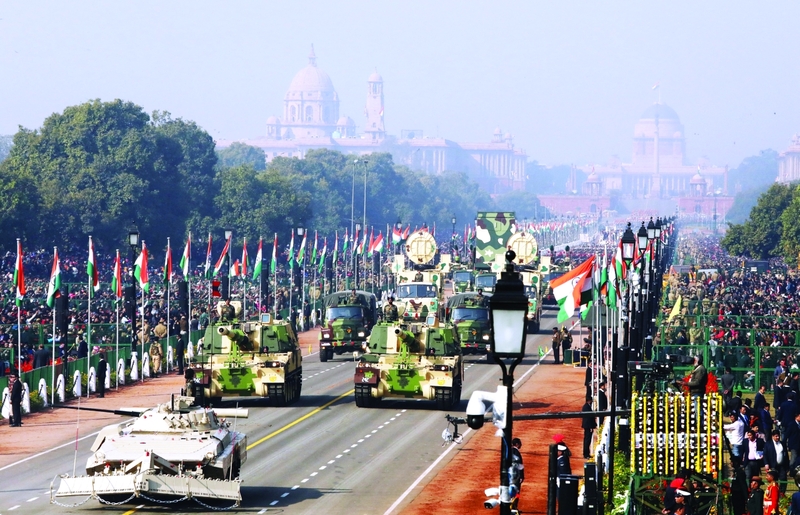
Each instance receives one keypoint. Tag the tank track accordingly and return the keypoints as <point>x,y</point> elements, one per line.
<point>283,394</point>
<point>364,397</point>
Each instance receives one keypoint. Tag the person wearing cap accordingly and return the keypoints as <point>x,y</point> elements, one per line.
<point>390,311</point>
<point>698,378</point>
<point>15,387</point>
<point>755,497</point>
<point>566,341</point>
<point>102,371</point>
<point>588,424</point>
<point>772,495</point>
<point>480,300</point>
<point>519,470</point>
<point>556,345</point>
<point>562,462</point>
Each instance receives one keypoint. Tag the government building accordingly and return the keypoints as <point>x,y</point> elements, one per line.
<point>311,120</point>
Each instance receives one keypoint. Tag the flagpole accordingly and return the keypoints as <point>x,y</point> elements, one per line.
<point>167,274</point>
<point>89,328</point>
<point>116,308</point>
<point>274,275</point>
<point>141,340</point>
<point>53,363</point>
<point>189,286</point>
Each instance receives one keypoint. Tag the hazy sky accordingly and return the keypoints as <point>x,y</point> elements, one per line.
<point>567,79</point>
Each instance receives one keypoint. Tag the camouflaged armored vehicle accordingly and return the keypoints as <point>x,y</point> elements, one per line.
<point>348,321</point>
<point>421,288</point>
<point>253,358</point>
<point>532,272</point>
<point>463,280</point>
<point>419,360</point>
<point>171,452</point>
<point>469,315</point>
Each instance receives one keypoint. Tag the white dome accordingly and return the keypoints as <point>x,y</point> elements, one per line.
<point>311,79</point>
<point>273,120</point>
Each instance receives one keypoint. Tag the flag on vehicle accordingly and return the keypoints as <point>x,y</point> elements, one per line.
<point>55,280</point>
<point>259,257</point>
<point>221,259</point>
<point>91,267</point>
<point>187,255</point>
<point>140,270</point>
<point>569,291</point>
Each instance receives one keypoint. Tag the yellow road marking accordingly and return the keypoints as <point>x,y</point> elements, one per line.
<point>295,422</point>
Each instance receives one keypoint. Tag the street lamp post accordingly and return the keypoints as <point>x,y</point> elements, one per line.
<point>133,241</point>
<point>301,233</point>
<point>228,235</point>
<point>508,308</point>
<point>355,261</point>
<point>641,243</point>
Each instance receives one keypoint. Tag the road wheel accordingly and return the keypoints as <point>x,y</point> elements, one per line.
<point>323,354</point>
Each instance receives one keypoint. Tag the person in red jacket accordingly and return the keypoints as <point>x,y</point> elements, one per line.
<point>772,495</point>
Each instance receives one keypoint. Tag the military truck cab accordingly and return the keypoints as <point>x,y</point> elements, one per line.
<point>415,301</point>
<point>348,320</point>
<point>463,281</point>
<point>469,315</point>
<point>486,281</point>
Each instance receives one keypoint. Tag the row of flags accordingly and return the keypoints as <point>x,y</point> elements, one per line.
<point>579,288</point>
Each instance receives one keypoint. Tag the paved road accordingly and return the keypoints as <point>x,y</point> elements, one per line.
<point>321,455</point>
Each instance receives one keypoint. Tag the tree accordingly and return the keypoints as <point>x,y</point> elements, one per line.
<point>757,171</point>
<point>242,154</point>
<point>760,235</point>
<point>790,237</point>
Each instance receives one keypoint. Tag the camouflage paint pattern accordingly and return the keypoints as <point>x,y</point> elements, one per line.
<point>348,334</point>
<point>492,232</point>
<point>473,332</point>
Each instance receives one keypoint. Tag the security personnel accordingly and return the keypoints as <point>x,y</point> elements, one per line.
<point>228,312</point>
<point>480,300</point>
<point>390,311</point>
<point>353,297</point>
<point>418,277</point>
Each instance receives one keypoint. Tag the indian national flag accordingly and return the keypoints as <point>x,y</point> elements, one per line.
<point>19,276</point>
<point>570,289</point>
<point>336,247</point>
<point>55,280</point>
<point>243,271</point>
<point>314,251</point>
<point>377,246</point>
<point>345,243</point>
<point>221,259</point>
<point>187,254</point>
<point>323,255</point>
<point>207,270</point>
<point>301,252</point>
<point>91,267</point>
<point>273,265</point>
<point>291,252</point>
<point>116,280</point>
<point>236,269</point>
<point>140,270</point>
<point>397,236</point>
<point>259,257</point>
<point>168,264</point>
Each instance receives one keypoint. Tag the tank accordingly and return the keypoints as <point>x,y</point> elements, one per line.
<point>469,315</point>
<point>410,361</point>
<point>260,358</point>
<point>173,451</point>
<point>347,322</point>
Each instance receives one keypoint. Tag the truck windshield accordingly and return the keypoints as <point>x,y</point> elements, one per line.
<point>345,312</point>
<point>413,291</point>
<point>485,281</point>
<point>530,291</point>
<point>462,277</point>
<point>461,314</point>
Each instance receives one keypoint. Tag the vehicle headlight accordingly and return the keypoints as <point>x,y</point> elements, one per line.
<point>326,334</point>
<point>486,337</point>
<point>361,334</point>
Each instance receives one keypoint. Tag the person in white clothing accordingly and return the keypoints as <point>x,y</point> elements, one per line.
<point>734,431</point>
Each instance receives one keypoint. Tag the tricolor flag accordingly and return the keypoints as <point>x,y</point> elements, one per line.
<point>323,255</point>
<point>314,251</point>
<point>619,264</point>
<point>613,285</point>
<point>187,256</point>
<point>371,241</point>
<point>167,265</point>
<point>570,289</point>
<point>221,259</point>
<point>345,243</point>
<point>244,259</point>
<point>356,244</point>
<point>207,270</point>
<point>378,245</point>
<point>116,280</point>
<point>397,236</point>
<point>590,290</point>
<point>91,267</point>
<point>19,276</point>
<point>55,280</point>
<point>273,265</point>
<point>236,269</point>
<point>336,247</point>
<point>140,270</point>
<point>405,233</point>
<point>259,258</point>
<point>301,252</point>
<point>291,252</point>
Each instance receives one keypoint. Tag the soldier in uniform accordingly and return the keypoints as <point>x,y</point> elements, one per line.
<point>418,277</point>
<point>480,300</point>
<point>353,299</point>
<point>155,357</point>
<point>228,312</point>
<point>390,311</point>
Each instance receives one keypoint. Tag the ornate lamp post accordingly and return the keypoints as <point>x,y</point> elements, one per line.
<point>355,261</point>
<point>508,308</point>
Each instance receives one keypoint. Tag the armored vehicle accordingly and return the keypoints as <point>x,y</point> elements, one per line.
<point>419,360</point>
<point>171,452</point>
<point>254,358</point>
<point>469,315</point>
<point>532,274</point>
<point>348,320</point>
<point>420,288</point>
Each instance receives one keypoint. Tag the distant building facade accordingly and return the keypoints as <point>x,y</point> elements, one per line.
<point>789,163</point>
<point>311,120</point>
<point>658,176</point>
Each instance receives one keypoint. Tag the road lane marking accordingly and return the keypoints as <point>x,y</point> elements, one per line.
<point>284,494</point>
<point>72,442</point>
<point>262,512</point>
<point>273,503</point>
<point>295,422</point>
<point>13,508</point>
<point>32,499</point>
<point>295,487</point>
<point>130,512</point>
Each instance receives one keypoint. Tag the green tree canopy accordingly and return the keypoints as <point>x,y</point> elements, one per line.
<point>242,154</point>
<point>760,236</point>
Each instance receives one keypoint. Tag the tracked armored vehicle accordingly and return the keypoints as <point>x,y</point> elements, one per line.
<point>171,452</point>
<point>469,315</point>
<point>255,358</point>
<point>527,263</point>
<point>419,360</point>
<point>348,320</point>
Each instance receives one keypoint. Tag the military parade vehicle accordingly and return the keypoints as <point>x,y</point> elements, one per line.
<point>348,320</point>
<point>463,280</point>
<point>172,452</point>
<point>469,315</point>
<point>251,358</point>
<point>530,270</point>
<point>485,281</point>
<point>418,360</point>
<point>421,287</point>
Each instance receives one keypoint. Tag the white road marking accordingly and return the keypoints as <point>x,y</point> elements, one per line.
<point>295,487</point>
<point>47,451</point>
<point>323,467</point>
<point>262,511</point>
<point>313,474</point>
<point>32,499</point>
<point>273,503</point>
<point>332,461</point>
<point>13,508</point>
<point>354,446</point>
<point>304,480</point>
<point>338,456</point>
<point>346,450</point>
<point>285,494</point>
<point>361,440</point>
<point>374,431</point>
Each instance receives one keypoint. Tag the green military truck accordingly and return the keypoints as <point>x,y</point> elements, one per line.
<point>347,322</point>
<point>259,358</point>
<point>410,361</point>
<point>463,280</point>
<point>469,316</point>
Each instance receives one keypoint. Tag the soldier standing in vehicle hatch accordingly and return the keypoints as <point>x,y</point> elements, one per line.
<point>390,311</point>
<point>353,298</point>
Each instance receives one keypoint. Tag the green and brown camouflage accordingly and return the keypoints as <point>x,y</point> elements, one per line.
<point>492,233</point>
<point>260,358</point>
<point>410,361</point>
<point>469,316</point>
<point>416,301</point>
<point>346,322</point>
<point>463,280</point>
<point>532,272</point>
